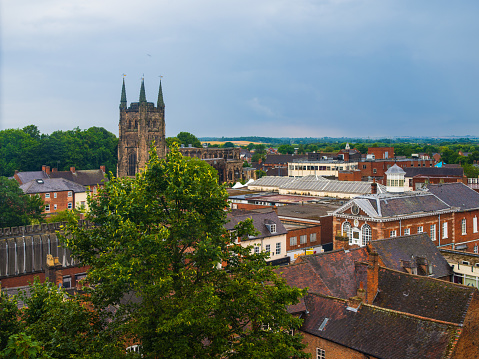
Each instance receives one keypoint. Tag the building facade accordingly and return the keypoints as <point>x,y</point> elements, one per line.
<point>141,125</point>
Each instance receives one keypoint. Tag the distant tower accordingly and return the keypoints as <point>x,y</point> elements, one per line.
<point>140,125</point>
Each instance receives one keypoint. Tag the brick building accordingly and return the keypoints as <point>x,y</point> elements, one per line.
<point>356,307</point>
<point>447,212</point>
<point>58,194</point>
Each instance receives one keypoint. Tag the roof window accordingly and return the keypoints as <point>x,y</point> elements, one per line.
<point>39,181</point>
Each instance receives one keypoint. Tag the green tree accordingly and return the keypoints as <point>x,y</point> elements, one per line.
<point>187,138</point>
<point>162,237</point>
<point>228,145</point>
<point>172,140</point>
<point>8,319</point>
<point>286,149</point>
<point>17,208</point>
<point>250,146</point>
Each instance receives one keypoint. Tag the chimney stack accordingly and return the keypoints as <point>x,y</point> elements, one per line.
<point>72,169</point>
<point>372,277</point>
<point>103,168</point>
<point>374,188</point>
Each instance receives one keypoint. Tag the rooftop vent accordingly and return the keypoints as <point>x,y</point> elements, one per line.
<point>39,181</point>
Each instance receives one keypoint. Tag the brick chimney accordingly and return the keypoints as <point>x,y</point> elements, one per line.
<point>374,188</point>
<point>361,293</point>
<point>72,169</point>
<point>46,169</point>
<point>103,168</point>
<point>54,169</point>
<point>54,270</point>
<point>372,277</point>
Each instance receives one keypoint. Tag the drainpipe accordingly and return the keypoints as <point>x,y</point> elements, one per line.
<point>439,230</point>
<point>400,228</point>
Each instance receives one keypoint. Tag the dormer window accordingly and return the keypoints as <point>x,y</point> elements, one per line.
<point>270,225</point>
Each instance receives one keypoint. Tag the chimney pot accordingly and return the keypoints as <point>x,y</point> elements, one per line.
<point>72,169</point>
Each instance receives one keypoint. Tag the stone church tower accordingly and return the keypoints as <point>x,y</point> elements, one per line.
<point>140,125</point>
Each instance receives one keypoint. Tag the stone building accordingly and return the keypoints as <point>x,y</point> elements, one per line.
<point>140,125</point>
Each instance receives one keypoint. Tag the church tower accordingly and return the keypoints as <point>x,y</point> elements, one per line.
<point>140,124</point>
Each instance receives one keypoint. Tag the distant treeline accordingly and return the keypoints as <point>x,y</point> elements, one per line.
<point>315,140</point>
<point>27,149</point>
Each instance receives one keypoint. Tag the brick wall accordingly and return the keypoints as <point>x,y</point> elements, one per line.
<point>301,232</point>
<point>332,350</point>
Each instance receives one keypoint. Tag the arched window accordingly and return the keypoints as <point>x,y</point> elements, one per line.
<point>366,234</point>
<point>132,164</point>
<point>346,230</point>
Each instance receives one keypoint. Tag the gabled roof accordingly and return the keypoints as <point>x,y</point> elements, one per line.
<point>398,204</point>
<point>337,270</point>
<point>456,195</point>
<point>423,296</point>
<point>378,332</point>
<point>393,251</point>
<point>259,222</point>
<point>26,177</point>
<point>83,177</point>
<point>51,185</point>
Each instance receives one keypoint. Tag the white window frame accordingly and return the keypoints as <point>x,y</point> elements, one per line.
<point>366,234</point>
<point>70,205</point>
<point>47,195</point>
<point>70,194</point>
<point>420,229</point>
<point>278,247</point>
<point>268,248</point>
<point>47,208</point>
<point>54,206</point>
<point>433,232</point>
<point>474,224</point>
<point>256,249</point>
<point>273,228</point>
<point>320,353</point>
<point>54,195</point>
<point>312,237</point>
<point>463,226</point>
<point>293,241</point>
<point>303,239</point>
<point>393,233</point>
<point>476,248</point>
<point>347,228</point>
<point>407,231</point>
<point>444,230</point>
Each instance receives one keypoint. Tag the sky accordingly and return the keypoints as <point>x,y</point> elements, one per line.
<point>274,68</point>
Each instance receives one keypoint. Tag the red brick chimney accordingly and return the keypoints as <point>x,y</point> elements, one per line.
<point>374,188</point>
<point>372,277</point>
<point>361,293</point>
<point>103,168</point>
<point>72,169</point>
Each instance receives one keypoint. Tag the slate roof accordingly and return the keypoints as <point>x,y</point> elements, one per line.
<point>385,205</point>
<point>26,177</point>
<point>282,159</point>
<point>392,251</point>
<point>316,184</point>
<point>456,195</point>
<point>52,185</point>
<point>83,177</point>
<point>337,270</point>
<point>259,222</point>
<point>433,171</point>
<point>378,332</point>
<point>423,296</point>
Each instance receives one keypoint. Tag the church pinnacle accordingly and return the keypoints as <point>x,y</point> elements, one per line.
<point>123,103</point>
<point>142,91</point>
<point>161,103</point>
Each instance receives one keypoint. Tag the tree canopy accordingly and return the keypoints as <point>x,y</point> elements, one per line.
<point>27,150</point>
<point>187,138</point>
<point>17,208</point>
<point>160,240</point>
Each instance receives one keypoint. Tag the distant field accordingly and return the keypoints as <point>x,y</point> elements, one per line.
<point>239,143</point>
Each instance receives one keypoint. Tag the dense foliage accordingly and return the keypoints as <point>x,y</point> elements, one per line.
<point>17,208</point>
<point>51,327</point>
<point>27,150</point>
<point>196,292</point>
<point>186,139</point>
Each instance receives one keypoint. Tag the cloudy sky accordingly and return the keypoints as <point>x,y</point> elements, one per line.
<point>302,68</point>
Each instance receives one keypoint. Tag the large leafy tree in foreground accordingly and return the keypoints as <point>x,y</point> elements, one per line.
<point>160,254</point>
<point>16,207</point>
